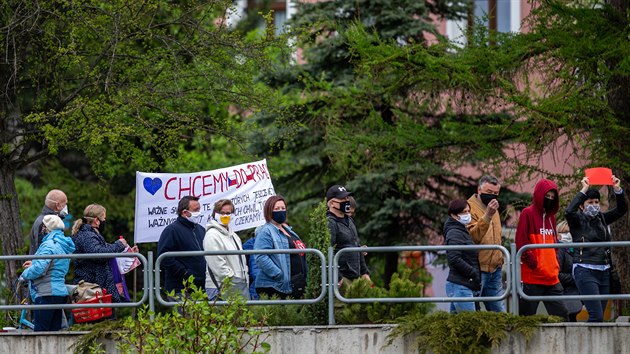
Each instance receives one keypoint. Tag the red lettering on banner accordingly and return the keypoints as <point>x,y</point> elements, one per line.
<point>205,185</point>
<point>222,181</point>
<point>166,189</point>
<point>192,186</point>
<point>183,188</point>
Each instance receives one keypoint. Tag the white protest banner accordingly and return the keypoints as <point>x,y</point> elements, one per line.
<point>248,186</point>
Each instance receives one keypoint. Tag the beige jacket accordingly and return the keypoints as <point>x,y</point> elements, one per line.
<point>485,232</point>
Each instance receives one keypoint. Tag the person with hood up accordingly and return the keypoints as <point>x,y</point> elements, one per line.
<point>219,237</point>
<point>464,276</point>
<point>539,267</point>
<point>591,266</point>
<point>47,276</point>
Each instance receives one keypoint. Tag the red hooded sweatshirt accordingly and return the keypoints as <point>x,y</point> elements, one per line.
<point>538,226</point>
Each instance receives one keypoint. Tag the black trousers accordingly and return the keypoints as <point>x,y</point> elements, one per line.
<point>554,307</point>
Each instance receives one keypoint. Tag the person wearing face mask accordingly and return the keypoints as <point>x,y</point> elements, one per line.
<point>464,275</point>
<point>565,260</point>
<point>281,275</point>
<point>591,266</point>
<point>539,266</point>
<point>56,203</point>
<point>47,277</point>
<point>485,229</point>
<point>184,234</point>
<point>219,237</point>
<point>343,234</point>
<point>87,234</point>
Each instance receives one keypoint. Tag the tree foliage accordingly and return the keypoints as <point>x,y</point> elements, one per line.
<point>564,83</point>
<point>124,82</point>
<point>330,104</point>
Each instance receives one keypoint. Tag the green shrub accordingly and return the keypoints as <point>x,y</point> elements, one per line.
<point>400,286</point>
<point>195,326</point>
<point>282,315</point>
<point>319,238</point>
<point>467,332</point>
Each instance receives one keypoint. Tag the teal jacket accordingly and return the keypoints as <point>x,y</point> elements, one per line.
<point>47,277</point>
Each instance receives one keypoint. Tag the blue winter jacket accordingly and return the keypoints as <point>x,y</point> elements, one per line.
<point>275,269</point>
<point>47,276</point>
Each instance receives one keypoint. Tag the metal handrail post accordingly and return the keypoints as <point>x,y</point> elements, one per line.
<point>331,299</point>
<point>151,288</point>
<point>513,265</point>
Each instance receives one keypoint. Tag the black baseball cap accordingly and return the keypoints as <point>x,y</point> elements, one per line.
<point>337,192</point>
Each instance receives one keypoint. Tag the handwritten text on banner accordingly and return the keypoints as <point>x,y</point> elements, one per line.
<point>157,194</point>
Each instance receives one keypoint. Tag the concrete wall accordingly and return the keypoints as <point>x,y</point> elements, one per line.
<point>371,339</point>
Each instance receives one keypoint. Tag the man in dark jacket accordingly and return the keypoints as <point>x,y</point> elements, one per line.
<point>343,234</point>
<point>185,234</point>
<point>56,203</point>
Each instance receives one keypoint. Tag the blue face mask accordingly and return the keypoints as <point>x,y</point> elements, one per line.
<point>279,216</point>
<point>465,218</point>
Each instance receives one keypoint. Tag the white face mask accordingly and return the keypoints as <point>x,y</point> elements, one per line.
<point>465,218</point>
<point>195,217</point>
<point>565,237</point>
<point>64,211</point>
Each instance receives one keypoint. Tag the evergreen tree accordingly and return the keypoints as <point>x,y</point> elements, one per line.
<point>309,142</point>
<point>563,84</point>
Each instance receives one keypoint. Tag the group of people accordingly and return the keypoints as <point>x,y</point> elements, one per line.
<point>46,277</point>
<point>280,275</point>
<point>545,271</point>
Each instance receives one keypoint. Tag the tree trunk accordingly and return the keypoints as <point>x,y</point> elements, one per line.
<point>619,101</point>
<point>10,230</point>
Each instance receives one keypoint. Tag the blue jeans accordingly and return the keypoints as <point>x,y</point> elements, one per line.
<point>48,320</point>
<point>492,285</point>
<point>456,290</point>
<point>593,282</point>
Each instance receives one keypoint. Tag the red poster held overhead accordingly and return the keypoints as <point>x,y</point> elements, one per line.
<point>599,176</point>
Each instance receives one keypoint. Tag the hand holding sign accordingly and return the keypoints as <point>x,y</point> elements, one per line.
<point>599,176</point>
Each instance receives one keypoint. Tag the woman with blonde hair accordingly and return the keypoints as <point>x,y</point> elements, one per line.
<point>87,234</point>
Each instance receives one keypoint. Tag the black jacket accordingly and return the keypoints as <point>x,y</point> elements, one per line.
<point>463,264</point>
<point>95,270</point>
<point>592,229</point>
<point>565,260</point>
<point>343,234</point>
<point>182,235</point>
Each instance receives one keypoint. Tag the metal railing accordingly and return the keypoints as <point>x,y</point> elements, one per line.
<point>335,275</point>
<point>319,298</point>
<point>146,271</point>
<point>329,273</point>
<point>575,245</point>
